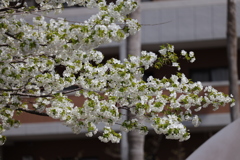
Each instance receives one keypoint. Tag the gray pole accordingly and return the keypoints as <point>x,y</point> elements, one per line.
<point>135,140</point>
<point>232,57</point>
<point>124,141</point>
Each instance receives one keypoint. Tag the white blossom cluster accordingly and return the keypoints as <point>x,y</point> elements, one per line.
<point>110,135</point>
<point>42,59</point>
<point>171,127</point>
<point>134,124</point>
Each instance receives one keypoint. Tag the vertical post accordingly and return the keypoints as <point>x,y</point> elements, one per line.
<point>124,140</point>
<point>135,140</point>
<point>232,57</point>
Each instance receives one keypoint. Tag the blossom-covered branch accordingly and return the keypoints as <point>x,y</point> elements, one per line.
<point>42,59</point>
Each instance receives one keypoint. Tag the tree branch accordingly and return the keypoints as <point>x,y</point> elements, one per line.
<point>30,111</point>
<point>70,91</point>
<point>33,112</point>
<point>35,96</point>
<point>16,61</point>
<point>13,7</point>
<point>4,45</point>
<point>9,90</point>
<point>31,95</point>
<point>12,36</point>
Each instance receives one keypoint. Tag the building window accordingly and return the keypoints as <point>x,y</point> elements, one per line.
<point>211,74</point>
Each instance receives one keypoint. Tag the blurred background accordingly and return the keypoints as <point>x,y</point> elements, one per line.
<point>192,25</point>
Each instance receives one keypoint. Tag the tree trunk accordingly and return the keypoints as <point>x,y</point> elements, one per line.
<point>136,146</point>
<point>135,140</point>
<point>232,56</point>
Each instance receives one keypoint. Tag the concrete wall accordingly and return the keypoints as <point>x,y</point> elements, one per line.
<point>175,21</point>
<point>185,21</point>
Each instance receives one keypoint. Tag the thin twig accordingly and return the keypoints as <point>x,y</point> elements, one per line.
<point>155,24</point>
<point>81,22</point>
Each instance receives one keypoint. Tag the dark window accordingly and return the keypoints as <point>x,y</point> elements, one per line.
<point>211,74</point>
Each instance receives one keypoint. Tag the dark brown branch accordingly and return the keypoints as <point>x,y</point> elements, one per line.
<point>12,36</point>
<point>20,61</point>
<point>31,95</point>
<point>4,45</point>
<point>30,111</point>
<point>13,7</point>
<point>35,96</point>
<point>70,91</point>
<point>48,95</point>
<point>16,93</point>
<point>32,11</point>
<point>33,112</point>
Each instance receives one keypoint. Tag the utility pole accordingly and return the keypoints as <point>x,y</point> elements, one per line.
<point>232,57</point>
